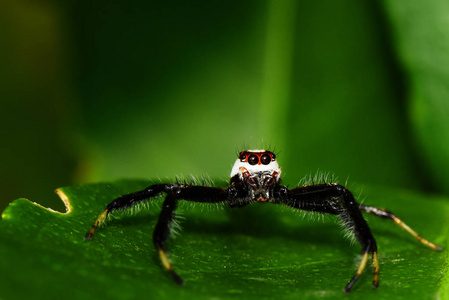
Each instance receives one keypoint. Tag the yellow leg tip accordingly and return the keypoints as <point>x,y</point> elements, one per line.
<point>167,266</point>
<point>97,222</point>
<point>164,260</point>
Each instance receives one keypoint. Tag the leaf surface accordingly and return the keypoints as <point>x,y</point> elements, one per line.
<point>260,251</point>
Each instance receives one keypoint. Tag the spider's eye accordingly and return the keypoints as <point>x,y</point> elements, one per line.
<point>273,156</point>
<point>242,155</point>
<point>265,159</point>
<point>253,159</point>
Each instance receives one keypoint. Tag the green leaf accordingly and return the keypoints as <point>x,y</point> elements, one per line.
<point>421,37</point>
<point>260,251</point>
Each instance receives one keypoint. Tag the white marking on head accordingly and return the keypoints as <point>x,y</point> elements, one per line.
<point>256,161</point>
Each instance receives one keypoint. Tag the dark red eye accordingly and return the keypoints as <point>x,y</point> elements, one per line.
<point>253,159</point>
<point>265,159</point>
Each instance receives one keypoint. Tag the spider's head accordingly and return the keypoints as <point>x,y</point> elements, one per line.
<point>259,170</point>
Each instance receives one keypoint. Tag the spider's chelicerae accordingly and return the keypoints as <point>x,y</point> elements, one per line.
<point>256,177</point>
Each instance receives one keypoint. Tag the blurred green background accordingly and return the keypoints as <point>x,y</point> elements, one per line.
<point>100,90</point>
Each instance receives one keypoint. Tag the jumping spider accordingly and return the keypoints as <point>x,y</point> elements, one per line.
<point>256,177</point>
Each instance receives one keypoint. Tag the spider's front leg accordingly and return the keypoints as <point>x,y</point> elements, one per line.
<point>336,199</point>
<point>162,231</point>
<point>174,193</point>
<point>127,201</point>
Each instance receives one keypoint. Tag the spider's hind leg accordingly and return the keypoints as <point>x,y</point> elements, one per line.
<point>389,215</point>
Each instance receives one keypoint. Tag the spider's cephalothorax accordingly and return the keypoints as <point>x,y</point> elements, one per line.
<point>255,177</point>
<point>256,171</point>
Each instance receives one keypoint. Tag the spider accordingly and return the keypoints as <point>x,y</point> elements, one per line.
<point>256,177</point>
